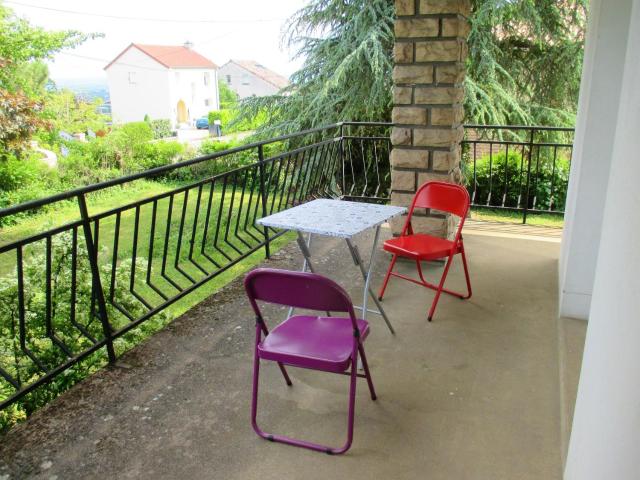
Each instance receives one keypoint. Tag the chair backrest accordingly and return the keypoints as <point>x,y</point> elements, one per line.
<point>446,197</point>
<point>296,289</point>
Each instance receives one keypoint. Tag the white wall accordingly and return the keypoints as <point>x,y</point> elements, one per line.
<point>605,440</point>
<point>187,84</point>
<point>594,141</point>
<point>244,83</point>
<point>139,86</point>
<point>145,94</point>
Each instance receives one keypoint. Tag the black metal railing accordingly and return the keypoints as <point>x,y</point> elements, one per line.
<point>73,291</point>
<point>517,168</point>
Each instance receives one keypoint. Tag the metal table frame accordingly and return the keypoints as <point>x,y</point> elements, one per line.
<point>344,220</point>
<point>305,246</point>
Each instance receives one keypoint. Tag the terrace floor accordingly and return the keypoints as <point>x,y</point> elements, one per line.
<point>483,392</point>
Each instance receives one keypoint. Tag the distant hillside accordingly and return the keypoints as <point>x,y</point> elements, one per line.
<point>88,89</point>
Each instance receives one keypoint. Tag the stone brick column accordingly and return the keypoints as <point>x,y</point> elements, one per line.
<point>429,54</point>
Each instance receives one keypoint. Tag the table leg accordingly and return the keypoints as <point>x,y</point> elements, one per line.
<point>303,245</point>
<point>306,253</point>
<point>366,275</point>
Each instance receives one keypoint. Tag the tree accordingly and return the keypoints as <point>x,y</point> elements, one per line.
<point>228,98</point>
<point>23,48</point>
<point>67,112</point>
<point>346,74</point>
<point>525,59</point>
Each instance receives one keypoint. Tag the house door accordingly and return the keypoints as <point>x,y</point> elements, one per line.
<point>182,112</point>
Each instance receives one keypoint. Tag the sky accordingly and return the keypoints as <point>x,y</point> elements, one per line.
<point>219,29</point>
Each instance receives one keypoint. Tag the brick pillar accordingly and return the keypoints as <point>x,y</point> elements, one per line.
<point>429,54</point>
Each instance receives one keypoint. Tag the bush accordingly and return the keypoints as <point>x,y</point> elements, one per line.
<point>18,364</point>
<point>22,180</point>
<point>231,124</point>
<point>161,128</point>
<point>156,154</point>
<point>494,170</point>
<point>216,166</point>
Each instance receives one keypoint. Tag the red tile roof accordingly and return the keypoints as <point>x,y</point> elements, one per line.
<point>263,72</point>
<point>171,56</point>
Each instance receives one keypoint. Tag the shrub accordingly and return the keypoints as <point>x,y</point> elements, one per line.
<point>232,124</point>
<point>18,364</point>
<point>493,171</point>
<point>215,166</point>
<point>22,180</point>
<point>161,128</point>
<point>156,154</point>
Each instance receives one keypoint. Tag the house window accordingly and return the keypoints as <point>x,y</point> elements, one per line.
<point>206,79</point>
<point>132,78</point>
<point>229,79</point>
<point>245,79</point>
<point>207,102</point>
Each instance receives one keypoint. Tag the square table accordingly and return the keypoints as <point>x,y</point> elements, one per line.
<point>342,219</point>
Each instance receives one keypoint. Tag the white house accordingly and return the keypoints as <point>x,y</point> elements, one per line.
<point>249,78</point>
<point>163,82</point>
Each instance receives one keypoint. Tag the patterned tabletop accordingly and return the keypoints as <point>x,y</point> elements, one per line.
<point>334,218</point>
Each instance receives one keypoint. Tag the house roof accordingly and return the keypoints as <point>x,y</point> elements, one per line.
<point>262,72</point>
<point>170,56</point>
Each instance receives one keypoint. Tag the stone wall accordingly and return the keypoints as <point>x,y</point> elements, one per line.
<point>429,54</point>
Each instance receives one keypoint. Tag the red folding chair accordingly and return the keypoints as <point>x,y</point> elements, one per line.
<point>445,197</point>
<point>329,344</point>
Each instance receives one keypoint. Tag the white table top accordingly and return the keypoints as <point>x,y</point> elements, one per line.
<point>334,218</point>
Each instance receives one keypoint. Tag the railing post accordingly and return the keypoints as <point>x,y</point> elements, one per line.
<point>92,251</point>
<point>263,196</point>
<point>526,197</point>
<point>344,185</point>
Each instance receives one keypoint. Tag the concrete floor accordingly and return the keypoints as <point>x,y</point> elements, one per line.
<point>474,395</point>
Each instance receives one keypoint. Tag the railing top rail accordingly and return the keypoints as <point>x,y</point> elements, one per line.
<point>366,124</point>
<point>40,202</point>
<point>520,127</point>
<point>37,203</point>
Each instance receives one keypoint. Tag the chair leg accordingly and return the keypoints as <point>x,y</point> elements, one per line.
<point>365,365</point>
<point>466,272</point>
<point>302,443</point>
<point>440,286</point>
<point>387,276</point>
<point>263,329</point>
<point>254,397</point>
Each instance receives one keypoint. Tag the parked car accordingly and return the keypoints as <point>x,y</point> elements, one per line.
<point>202,123</point>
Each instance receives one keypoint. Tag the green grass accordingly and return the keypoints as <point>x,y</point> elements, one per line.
<point>537,219</point>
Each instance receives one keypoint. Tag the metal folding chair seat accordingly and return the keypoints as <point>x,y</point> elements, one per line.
<point>443,197</point>
<point>330,344</point>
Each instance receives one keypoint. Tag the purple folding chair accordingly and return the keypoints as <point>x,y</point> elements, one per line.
<point>329,344</point>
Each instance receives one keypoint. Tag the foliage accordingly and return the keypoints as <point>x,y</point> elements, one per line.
<point>492,172</point>
<point>161,127</point>
<point>19,120</point>
<point>19,365</point>
<point>127,149</point>
<point>22,43</point>
<point>223,115</point>
<point>22,180</point>
<point>228,98</point>
<point>524,64</point>
<point>67,112</point>
<point>232,122</point>
<point>346,74</point>
<point>525,61</point>
<point>23,47</point>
